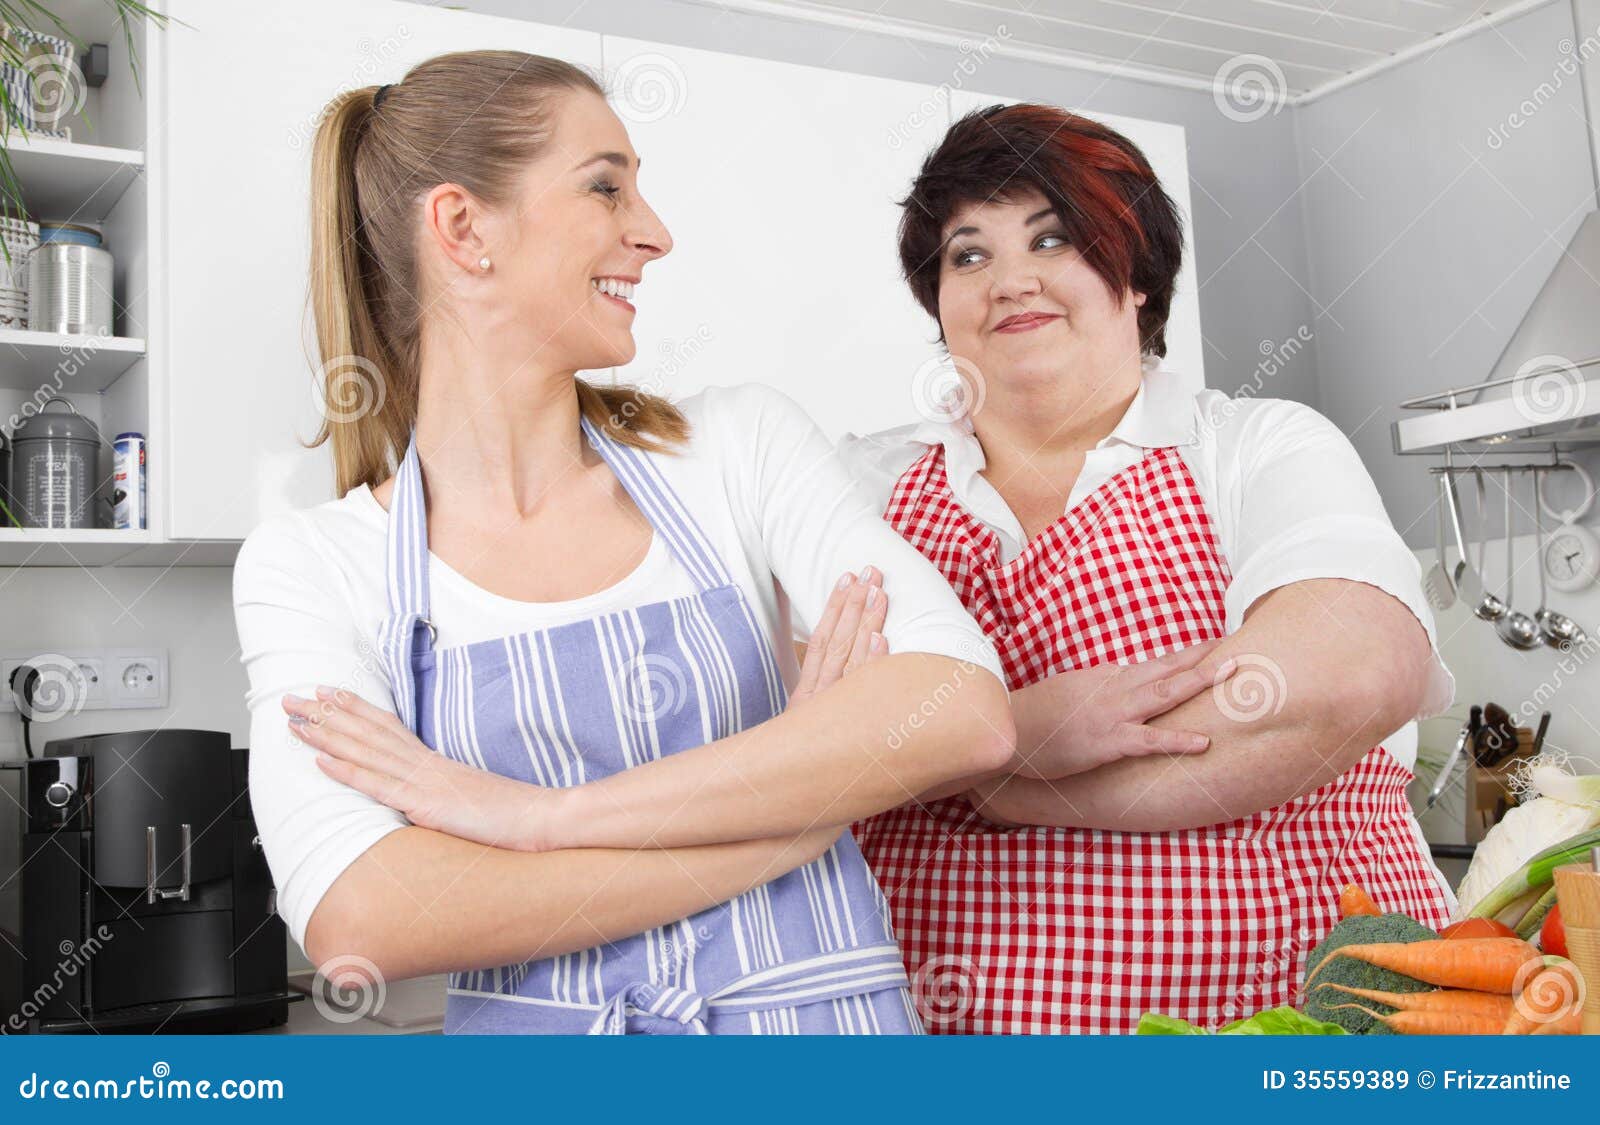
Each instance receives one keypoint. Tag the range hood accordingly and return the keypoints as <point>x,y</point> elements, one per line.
<point>1545,387</point>
<point>1543,393</point>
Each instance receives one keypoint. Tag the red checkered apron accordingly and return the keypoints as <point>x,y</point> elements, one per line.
<point>1080,930</point>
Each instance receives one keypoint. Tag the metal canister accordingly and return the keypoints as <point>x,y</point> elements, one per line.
<point>127,481</point>
<point>69,281</point>
<point>8,506</point>
<point>55,461</point>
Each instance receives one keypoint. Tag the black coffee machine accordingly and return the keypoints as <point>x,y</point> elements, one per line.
<point>134,895</point>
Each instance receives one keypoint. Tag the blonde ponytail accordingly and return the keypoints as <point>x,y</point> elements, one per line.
<point>490,113</point>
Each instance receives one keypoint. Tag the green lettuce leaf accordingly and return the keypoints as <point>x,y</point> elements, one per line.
<point>1273,1021</point>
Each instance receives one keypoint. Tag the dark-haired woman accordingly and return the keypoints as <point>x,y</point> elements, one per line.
<point>538,734</point>
<point>1094,513</point>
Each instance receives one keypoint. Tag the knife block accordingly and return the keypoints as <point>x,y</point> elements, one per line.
<point>1578,893</point>
<point>1488,796</point>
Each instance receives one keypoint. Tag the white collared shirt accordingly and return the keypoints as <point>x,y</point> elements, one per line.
<point>1286,492</point>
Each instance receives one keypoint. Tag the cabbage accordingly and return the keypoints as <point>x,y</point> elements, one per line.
<point>1558,805</point>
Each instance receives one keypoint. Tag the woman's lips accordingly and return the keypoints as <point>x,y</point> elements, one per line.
<point>616,300</point>
<point>1025,322</point>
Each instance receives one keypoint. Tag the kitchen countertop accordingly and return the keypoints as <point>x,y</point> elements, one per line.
<point>417,1004</point>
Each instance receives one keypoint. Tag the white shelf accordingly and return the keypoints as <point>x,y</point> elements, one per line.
<point>80,363</point>
<point>101,546</point>
<point>44,546</point>
<point>71,181</point>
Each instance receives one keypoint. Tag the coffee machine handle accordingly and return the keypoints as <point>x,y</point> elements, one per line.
<point>153,892</point>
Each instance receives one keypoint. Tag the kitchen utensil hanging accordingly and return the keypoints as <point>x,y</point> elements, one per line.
<point>1557,629</point>
<point>1437,583</point>
<point>1516,628</point>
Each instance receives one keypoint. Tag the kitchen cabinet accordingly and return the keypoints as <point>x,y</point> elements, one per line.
<point>95,177</point>
<point>241,98</point>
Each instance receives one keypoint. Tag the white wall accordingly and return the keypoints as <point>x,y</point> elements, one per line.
<point>187,611</point>
<point>1432,220</point>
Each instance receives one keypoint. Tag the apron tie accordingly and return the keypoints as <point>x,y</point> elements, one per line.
<point>648,998</point>
<point>824,976</point>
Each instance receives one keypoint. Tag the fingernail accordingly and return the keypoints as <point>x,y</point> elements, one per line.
<point>866,574</point>
<point>326,692</point>
<point>297,720</point>
<point>1198,742</point>
<point>872,595</point>
<point>845,580</point>
<point>1227,667</point>
<point>291,697</point>
<point>878,643</point>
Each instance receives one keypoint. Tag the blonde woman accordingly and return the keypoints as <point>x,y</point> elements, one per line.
<point>541,613</point>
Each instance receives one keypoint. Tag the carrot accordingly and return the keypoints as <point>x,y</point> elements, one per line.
<point>1355,901</point>
<point>1480,964</point>
<point>1441,1000</point>
<point>1550,1001</point>
<point>1569,1024</point>
<point>1432,1023</point>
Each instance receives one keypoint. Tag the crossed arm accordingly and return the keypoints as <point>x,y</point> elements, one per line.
<point>496,870</point>
<point>1325,669</point>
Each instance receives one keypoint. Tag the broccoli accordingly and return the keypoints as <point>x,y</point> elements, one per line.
<point>1361,929</point>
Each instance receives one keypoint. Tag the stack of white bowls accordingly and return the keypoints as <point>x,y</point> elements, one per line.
<point>21,239</point>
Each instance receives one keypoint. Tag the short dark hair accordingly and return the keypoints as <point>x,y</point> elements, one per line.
<point>1101,187</point>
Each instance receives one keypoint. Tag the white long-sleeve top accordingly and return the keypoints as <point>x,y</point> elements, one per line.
<point>773,496</point>
<point>1287,494</point>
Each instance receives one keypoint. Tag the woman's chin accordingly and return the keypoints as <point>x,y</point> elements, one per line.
<point>610,352</point>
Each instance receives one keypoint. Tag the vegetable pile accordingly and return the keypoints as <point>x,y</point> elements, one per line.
<point>1377,973</point>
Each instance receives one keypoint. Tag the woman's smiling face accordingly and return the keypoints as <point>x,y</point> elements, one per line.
<point>1019,303</point>
<point>581,237</point>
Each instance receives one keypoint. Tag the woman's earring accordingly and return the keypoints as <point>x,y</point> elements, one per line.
<point>483,263</point>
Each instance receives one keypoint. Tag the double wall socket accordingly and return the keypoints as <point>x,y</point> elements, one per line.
<point>103,679</point>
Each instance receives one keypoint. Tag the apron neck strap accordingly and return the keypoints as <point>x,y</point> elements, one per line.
<point>641,477</point>
<point>408,538</point>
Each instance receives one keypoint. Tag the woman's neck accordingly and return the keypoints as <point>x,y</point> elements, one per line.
<point>494,429</point>
<point>1045,421</point>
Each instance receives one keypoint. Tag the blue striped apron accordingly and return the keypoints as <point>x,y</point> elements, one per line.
<point>811,951</point>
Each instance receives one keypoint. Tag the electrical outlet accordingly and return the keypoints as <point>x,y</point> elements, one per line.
<point>89,680</point>
<point>137,678</point>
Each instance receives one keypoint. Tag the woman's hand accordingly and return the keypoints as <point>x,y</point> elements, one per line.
<point>371,751</point>
<point>1073,722</point>
<point>849,634</point>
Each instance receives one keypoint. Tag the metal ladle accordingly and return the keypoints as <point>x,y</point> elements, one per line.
<point>1469,581</point>
<point>1516,628</point>
<point>1558,630</point>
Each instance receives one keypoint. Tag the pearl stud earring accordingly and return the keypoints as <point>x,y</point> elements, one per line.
<point>483,263</point>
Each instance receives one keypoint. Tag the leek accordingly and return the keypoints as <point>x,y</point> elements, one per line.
<point>1538,872</point>
<point>1534,918</point>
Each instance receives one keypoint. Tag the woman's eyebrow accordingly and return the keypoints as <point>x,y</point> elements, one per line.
<point>1048,212</point>
<point>615,158</point>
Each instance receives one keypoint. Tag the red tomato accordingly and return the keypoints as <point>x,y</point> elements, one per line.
<point>1553,935</point>
<point>1477,927</point>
